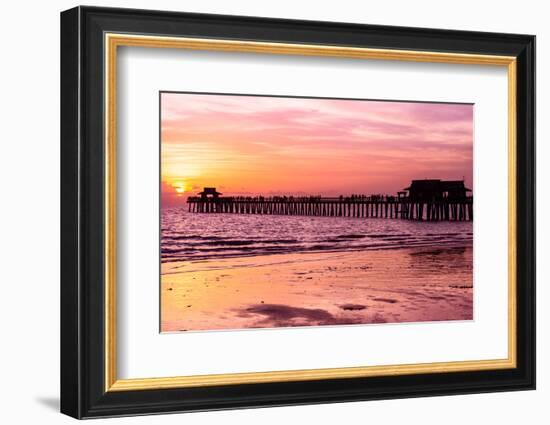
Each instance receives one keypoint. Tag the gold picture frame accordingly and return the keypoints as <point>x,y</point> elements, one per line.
<point>114,41</point>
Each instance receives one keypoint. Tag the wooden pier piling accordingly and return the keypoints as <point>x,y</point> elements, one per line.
<point>361,206</point>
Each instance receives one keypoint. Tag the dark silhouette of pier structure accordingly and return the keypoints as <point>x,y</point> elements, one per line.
<point>430,200</point>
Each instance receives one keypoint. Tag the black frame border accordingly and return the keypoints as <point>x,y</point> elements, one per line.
<point>82,204</point>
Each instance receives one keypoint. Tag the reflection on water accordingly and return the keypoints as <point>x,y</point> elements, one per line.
<point>223,271</point>
<point>188,236</point>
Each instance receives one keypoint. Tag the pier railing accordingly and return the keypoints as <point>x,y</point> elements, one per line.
<point>372,206</point>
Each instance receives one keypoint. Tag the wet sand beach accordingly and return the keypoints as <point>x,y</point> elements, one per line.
<point>318,288</point>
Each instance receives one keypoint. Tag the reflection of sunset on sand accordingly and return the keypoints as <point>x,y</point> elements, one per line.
<point>306,289</point>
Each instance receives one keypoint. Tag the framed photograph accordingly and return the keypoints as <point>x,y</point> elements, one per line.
<point>261,212</point>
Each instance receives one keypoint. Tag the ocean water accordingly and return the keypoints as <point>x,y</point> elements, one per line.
<point>190,236</point>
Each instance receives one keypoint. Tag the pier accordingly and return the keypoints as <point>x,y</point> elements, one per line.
<point>427,200</point>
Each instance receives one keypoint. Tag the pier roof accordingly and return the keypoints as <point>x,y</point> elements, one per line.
<point>210,191</point>
<point>436,185</point>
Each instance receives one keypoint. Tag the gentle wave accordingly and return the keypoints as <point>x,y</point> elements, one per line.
<point>187,236</point>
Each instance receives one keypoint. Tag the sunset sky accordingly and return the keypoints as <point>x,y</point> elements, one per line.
<point>267,145</point>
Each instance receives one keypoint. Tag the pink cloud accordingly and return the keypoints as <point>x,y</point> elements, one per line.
<point>324,146</point>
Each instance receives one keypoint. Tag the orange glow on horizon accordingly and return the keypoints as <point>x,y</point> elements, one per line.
<point>251,145</point>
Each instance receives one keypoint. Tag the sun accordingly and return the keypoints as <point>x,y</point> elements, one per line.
<point>179,187</point>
